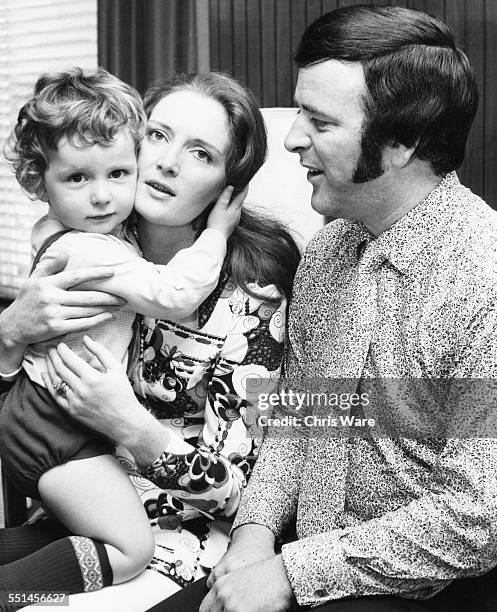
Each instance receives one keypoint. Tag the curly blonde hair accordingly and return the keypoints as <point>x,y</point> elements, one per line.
<point>86,108</point>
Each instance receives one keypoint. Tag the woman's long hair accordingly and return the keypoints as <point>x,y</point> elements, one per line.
<point>261,249</point>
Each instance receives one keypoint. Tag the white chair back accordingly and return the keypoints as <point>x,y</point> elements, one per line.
<point>281,186</point>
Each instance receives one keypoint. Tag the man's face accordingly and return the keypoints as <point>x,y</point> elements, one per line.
<point>328,136</point>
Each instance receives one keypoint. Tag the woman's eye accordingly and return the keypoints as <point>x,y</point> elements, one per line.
<point>117,174</point>
<point>155,135</point>
<point>202,155</point>
<point>76,178</point>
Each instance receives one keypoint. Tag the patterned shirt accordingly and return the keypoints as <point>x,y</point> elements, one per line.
<point>378,515</point>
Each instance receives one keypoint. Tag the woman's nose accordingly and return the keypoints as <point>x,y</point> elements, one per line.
<point>297,138</point>
<point>168,162</point>
<point>102,194</point>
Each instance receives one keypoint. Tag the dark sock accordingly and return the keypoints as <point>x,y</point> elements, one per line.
<point>72,565</point>
<point>19,542</point>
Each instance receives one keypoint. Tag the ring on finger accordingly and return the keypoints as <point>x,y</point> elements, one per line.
<point>61,388</point>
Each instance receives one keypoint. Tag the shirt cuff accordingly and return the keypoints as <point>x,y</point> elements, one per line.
<point>212,241</point>
<point>317,569</point>
<point>261,513</point>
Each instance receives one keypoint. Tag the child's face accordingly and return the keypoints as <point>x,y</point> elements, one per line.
<point>92,188</point>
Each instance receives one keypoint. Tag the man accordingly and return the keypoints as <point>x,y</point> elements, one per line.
<point>402,285</point>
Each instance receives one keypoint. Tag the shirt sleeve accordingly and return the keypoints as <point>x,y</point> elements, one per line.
<point>211,475</point>
<point>271,496</point>
<point>448,532</point>
<point>174,290</point>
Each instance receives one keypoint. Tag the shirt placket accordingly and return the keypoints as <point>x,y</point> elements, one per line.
<point>346,370</point>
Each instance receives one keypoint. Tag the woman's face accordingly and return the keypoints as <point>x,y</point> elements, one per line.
<point>181,164</point>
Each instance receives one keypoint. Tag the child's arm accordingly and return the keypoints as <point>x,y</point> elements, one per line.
<point>173,290</point>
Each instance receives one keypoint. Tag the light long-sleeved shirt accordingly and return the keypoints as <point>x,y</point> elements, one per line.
<point>173,290</point>
<point>402,515</point>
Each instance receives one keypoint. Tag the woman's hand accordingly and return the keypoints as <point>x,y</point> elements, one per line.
<point>225,215</point>
<point>50,310</point>
<point>100,398</point>
<point>45,309</point>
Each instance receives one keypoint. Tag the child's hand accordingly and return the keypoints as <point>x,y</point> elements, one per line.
<point>225,215</point>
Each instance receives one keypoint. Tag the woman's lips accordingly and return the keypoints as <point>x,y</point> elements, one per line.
<point>160,187</point>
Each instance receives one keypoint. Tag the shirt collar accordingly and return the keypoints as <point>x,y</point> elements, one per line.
<point>403,242</point>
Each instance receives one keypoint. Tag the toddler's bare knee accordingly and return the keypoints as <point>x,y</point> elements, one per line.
<point>132,557</point>
<point>142,553</point>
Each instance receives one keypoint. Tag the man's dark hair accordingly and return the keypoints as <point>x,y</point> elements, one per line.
<point>421,87</point>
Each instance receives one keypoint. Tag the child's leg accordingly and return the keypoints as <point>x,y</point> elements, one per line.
<point>57,568</point>
<point>95,498</point>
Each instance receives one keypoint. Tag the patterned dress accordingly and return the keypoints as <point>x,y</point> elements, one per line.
<point>193,376</point>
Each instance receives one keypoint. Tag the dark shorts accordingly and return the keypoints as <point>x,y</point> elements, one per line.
<point>36,435</point>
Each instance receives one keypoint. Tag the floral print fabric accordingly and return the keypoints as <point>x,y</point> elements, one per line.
<point>193,379</point>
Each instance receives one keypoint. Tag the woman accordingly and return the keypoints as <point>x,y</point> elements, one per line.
<point>191,436</point>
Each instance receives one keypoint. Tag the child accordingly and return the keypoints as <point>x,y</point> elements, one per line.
<point>75,146</point>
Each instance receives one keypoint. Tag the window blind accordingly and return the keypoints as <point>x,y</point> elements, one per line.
<point>36,36</point>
